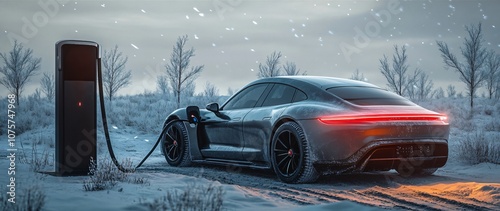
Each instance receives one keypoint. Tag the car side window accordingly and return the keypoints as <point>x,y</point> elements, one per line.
<point>279,94</point>
<point>247,98</point>
<point>299,96</point>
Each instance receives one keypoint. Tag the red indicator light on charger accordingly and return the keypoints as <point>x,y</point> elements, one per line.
<point>79,103</point>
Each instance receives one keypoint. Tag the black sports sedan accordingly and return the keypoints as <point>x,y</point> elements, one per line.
<point>303,127</point>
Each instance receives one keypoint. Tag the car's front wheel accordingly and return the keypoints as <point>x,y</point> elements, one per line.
<point>291,156</point>
<point>175,145</point>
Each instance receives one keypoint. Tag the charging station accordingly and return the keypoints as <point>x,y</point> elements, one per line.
<point>76,69</point>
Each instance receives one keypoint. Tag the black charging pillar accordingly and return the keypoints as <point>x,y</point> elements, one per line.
<point>76,68</point>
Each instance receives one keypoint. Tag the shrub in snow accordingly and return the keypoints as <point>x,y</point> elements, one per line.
<point>480,147</point>
<point>34,113</point>
<point>31,199</point>
<point>196,197</point>
<point>105,175</point>
<point>36,160</point>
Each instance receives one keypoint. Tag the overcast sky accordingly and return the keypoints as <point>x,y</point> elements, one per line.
<point>231,37</point>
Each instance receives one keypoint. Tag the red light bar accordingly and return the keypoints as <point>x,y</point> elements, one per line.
<point>373,118</point>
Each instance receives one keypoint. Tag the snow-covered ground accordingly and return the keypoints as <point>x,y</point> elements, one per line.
<point>457,186</point>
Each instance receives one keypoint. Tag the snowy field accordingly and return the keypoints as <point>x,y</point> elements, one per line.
<point>469,181</point>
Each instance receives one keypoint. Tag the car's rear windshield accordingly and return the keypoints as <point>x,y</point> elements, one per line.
<point>367,96</point>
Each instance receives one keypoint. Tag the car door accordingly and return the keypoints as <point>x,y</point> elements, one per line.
<point>257,124</point>
<point>224,129</point>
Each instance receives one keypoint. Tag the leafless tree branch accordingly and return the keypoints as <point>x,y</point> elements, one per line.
<point>115,76</point>
<point>19,67</point>
<point>474,54</point>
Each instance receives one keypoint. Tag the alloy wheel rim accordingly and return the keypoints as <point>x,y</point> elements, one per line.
<point>287,153</point>
<point>172,148</point>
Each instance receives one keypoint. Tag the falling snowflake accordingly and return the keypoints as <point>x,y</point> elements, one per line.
<point>134,46</point>
<point>196,37</point>
<point>213,44</point>
<point>201,14</point>
<point>103,5</point>
<point>196,9</point>
<point>143,11</point>
<point>187,17</point>
<point>254,22</point>
<point>246,38</point>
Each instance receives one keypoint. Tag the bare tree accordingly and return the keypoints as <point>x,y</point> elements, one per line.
<point>397,77</point>
<point>19,66</point>
<point>188,90</point>
<point>211,93</point>
<point>271,68</point>
<point>358,76</point>
<point>475,56</point>
<point>451,91</point>
<point>438,93</point>
<point>291,69</point>
<point>424,85</point>
<point>48,86</point>
<point>492,73</point>
<point>115,76</point>
<point>178,71</point>
<point>162,85</point>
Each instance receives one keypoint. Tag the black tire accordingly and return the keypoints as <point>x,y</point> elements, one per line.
<point>291,156</point>
<point>416,172</point>
<point>175,145</point>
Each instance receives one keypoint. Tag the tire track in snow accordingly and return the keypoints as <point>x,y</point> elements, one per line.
<point>459,204</point>
<point>399,200</point>
<point>360,191</point>
<point>427,201</point>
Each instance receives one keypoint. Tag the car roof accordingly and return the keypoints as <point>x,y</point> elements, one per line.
<point>322,82</point>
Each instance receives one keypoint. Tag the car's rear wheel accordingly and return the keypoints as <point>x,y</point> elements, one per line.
<point>175,145</point>
<point>291,156</point>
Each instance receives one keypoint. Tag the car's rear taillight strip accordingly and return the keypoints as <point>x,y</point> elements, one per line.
<point>374,118</point>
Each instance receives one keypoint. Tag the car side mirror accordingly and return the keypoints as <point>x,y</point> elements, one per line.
<point>213,107</point>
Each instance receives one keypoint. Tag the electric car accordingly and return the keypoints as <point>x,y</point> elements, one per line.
<point>303,127</point>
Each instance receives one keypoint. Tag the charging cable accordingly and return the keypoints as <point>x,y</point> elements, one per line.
<point>106,131</point>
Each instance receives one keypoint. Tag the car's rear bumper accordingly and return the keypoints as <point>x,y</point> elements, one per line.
<point>369,147</point>
<point>390,154</point>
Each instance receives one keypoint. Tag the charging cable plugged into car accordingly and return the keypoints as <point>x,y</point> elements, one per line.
<point>193,114</point>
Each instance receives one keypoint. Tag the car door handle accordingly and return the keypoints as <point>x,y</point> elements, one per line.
<point>236,119</point>
<point>266,118</point>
